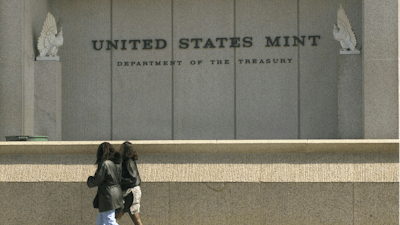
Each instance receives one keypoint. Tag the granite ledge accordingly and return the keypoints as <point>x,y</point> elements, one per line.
<point>209,146</point>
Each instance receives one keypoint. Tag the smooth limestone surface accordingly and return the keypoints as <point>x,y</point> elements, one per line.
<point>319,66</point>
<point>47,115</point>
<point>380,54</point>
<point>34,15</point>
<point>202,203</point>
<point>141,93</point>
<point>350,123</point>
<point>225,100</point>
<point>266,93</point>
<point>376,203</point>
<point>203,93</point>
<point>86,80</point>
<point>381,79</point>
<point>21,22</point>
<point>11,69</point>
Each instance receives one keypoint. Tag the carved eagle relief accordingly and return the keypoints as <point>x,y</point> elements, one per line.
<point>50,38</point>
<point>344,33</point>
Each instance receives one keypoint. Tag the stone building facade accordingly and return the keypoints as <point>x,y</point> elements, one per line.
<point>242,70</point>
<point>222,98</point>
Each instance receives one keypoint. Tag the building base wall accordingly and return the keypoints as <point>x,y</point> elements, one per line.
<point>209,203</point>
<point>210,182</point>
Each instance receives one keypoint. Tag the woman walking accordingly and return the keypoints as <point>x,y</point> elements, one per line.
<point>107,178</point>
<point>130,183</point>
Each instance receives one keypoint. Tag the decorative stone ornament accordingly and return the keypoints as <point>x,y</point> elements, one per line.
<point>344,33</point>
<point>51,38</point>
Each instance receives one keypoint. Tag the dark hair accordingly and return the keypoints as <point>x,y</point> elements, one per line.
<point>105,151</point>
<point>127,151</point>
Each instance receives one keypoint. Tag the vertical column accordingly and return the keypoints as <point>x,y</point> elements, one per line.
<point>15,87</point>
<point>380,67</point>
<point>47,118</point>
<point>34,13</point>
<point>350,97</point>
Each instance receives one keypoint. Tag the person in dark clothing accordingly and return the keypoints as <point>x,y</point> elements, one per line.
<point>107,178</point>
<point>130,183</point>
